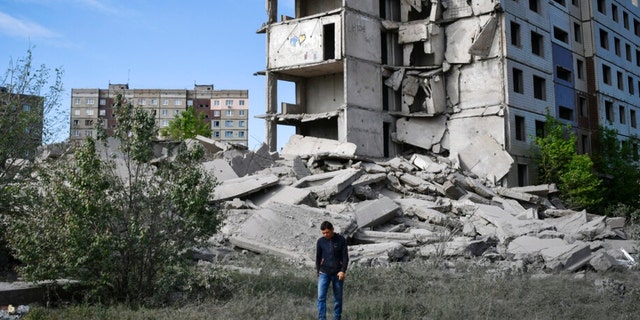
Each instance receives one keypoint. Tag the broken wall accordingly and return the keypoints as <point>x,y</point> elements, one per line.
<point>300,42</point>
<point>362,34</point>
<point>364,128</point>
<point>324,93</point>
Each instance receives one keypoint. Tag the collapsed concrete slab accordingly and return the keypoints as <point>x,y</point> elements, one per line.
<point>239,187</point>
<point>305,147</point>
<point>252,162</point>
<point>328,184</point>
<point>421,132</point>
<point>286,230</point>
<point>283,194</point>
<point>486,158</point>
<point>220,169</point>
<point>377,254</point>
<point>374,212</point>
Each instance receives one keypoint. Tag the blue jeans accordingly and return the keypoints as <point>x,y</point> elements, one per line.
<point>323,288</point>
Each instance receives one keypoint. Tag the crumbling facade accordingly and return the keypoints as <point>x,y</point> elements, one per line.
<point>469,79</point>
<point>227,111</point>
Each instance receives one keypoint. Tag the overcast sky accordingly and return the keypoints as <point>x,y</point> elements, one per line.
<point>150,44</point>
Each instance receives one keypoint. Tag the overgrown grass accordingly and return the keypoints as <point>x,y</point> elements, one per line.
<point>410,290</point>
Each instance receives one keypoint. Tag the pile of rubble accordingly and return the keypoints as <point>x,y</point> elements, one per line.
<point>400,209</point>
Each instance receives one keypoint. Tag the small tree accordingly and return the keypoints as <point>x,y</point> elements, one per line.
<point>188,124</point>
<point>113,221</point>
<point>30,114</point>
<point>619,167</point>
<point>558,162</point>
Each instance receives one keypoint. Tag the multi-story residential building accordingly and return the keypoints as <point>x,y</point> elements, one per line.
<point>90,107</point>
<point>22,124</point>
<point>471,80</point>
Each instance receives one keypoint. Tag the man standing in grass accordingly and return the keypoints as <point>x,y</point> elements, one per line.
<point>332,259</point>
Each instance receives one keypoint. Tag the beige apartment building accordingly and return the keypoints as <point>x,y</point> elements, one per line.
<point>226,111</point>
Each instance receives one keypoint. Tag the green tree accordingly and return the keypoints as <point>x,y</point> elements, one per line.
<point>558,162</point>
<point>188,124</point>
<point>30,116</point>
<point>107,217</point>
<point>617,164</point>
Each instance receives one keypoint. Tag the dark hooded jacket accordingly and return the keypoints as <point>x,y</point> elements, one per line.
<point>332,255</point>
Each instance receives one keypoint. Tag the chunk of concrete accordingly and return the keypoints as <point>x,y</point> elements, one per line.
<point>568,257</point>
<point>508,227</point>
<point>368,236</point>
<point>325,185</point>
<point>527,247</point>
<point>481,45</point>
<point>220,169</point>
<point>305,147</point>
<point>377,253</point>
<point>263,232</point>
<point>601,261</point>
<point>460,35</point>
<point>486,158</point>
<point>569,224</point>
<point>374,212</point>
<point>425,163</point>
<point>252,162</point>
<point>513,194</point>
<point>421,132</point>
<point>283,194</point>
<point>239,187</point>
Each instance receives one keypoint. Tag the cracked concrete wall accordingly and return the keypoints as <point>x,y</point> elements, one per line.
<point>300,42</point>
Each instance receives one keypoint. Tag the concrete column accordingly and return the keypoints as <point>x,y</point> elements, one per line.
<point>272,11</point>
<point>272,110</point>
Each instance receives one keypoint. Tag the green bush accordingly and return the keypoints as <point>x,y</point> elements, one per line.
<point>118,224</point>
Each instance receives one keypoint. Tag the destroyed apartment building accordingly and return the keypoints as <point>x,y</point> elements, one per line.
<point>471,80</point>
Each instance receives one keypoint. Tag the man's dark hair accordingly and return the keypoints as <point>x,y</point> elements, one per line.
<point>326,225</point>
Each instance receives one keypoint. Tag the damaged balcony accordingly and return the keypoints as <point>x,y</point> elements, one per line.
<point>306,47</point>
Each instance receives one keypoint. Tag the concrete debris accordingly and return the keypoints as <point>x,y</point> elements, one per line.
<point>305,147</point>
<point>415,206</point>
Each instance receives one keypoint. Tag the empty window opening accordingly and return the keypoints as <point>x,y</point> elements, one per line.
<point>563,74</point>
<point>520,129</point>
<point>606,74</point>
<point>584,144</point>
<point>604,39</point>
<point>534,5</point>
<point>329,42</point>
<point>539,88</point>
<point>518,85</point>
<point>577,33</point>
<point>565,113</point>
<point>632,117</point>
<point>620,81</point>
<point>515,34</point>
<point>540,129</point>
<point>622,114</point>
<point>561,35</point>
<point>523,175</point>
<point>582,106</point>
<point>537,44</point>
<point>608,111</point>
<point>580,68</point>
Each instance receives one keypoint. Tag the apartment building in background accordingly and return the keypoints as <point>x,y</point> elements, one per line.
<point>22,123</point>
<point>469,80</point>
<point>226,111</point>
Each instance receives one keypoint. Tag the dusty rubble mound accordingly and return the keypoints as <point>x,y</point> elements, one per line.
<point>402,208</point>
